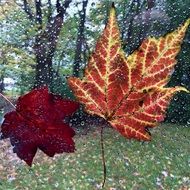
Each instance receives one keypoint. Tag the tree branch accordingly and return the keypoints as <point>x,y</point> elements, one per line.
<point>61,9</point>
<point>150,4</point>
<point>28,10</point>
<point>80,39</point>
<point>49,11</point>
<point>38,5</point>
<point>52,30</point>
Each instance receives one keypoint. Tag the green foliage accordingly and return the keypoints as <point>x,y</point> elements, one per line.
<point>59,86</point>
<point>130,164</point>
<point>64,54</point>
<point>179,110</point>
<point>18,64</point>
<point>17,59</point>
<point>18,35</point>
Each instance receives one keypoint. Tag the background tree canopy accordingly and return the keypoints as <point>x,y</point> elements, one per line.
<point>44,41</point>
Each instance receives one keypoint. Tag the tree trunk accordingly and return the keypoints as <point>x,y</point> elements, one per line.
<point>2,85</point>
<point>80,40</point>
<point>135,38</point>
<point>46,40</point>
<point>2,72</point>
<point>45,45</point>
<point>43,71</point>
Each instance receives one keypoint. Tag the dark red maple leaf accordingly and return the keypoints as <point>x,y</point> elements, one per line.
<point>38,122</point>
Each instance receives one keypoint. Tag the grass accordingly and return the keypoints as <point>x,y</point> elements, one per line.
<point>163,163</point>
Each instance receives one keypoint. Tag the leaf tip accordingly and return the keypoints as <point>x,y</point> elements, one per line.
<point>180,88</point>
<point>70,80</point>
<point>188,21</point>
<point>113,5</point>
<point>146,137</point>
<point>112,10</point>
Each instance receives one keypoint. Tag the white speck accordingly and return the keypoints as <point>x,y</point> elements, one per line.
<point>165,173</point>
<point>158,181</point>
<point>186,179</point>
<point>11,178</point>
<point>56,184</point>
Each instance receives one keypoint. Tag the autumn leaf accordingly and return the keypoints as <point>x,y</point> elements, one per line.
<point>129,92</point>
<point>38,122</point>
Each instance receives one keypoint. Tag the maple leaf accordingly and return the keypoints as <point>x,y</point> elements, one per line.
<point>129,92</point>
<point>38,122</point>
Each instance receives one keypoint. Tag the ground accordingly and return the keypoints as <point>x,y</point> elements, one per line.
<point>163,163</point>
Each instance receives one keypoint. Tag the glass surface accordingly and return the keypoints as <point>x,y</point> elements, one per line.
<point>43,42</point>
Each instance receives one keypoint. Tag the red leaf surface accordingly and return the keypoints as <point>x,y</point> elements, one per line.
<point>38,122</point>
<point>129,92</point>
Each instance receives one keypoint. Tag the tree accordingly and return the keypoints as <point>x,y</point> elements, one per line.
<point>48,30</point>
<point>80,39</point>
<point>179,110</point>
<point>142,19</point>
<point>2,71</point>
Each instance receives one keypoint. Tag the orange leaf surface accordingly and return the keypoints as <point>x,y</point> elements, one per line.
<point>129,92</point>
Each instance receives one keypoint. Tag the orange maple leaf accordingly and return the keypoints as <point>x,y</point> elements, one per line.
<point>129,92</point>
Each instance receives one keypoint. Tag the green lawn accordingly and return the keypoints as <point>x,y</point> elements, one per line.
<point>163,163</point>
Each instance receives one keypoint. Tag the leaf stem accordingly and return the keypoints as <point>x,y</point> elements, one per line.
<point>103,155</point>
<point>8,100</point>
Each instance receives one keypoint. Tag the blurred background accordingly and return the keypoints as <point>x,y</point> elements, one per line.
<point>42,42</point>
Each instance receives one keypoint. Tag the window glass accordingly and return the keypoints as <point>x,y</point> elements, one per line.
<point>43,43</point>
